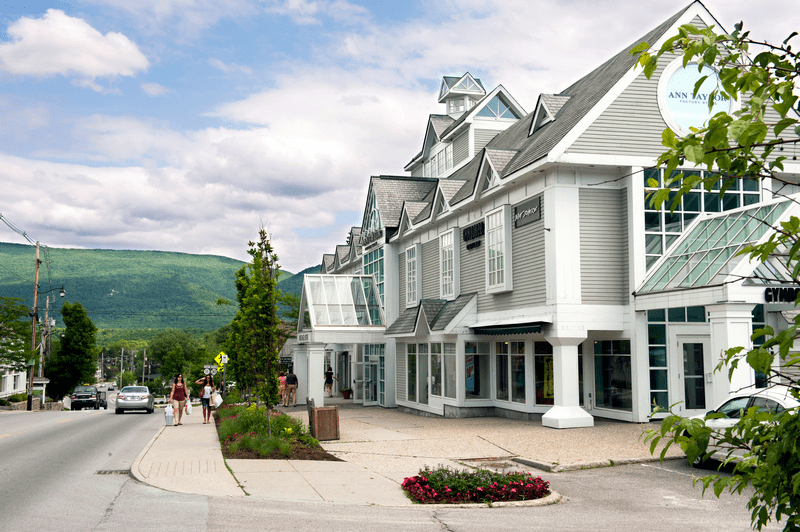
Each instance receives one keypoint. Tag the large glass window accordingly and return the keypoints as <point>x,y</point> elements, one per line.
<point>612,370</point>
<point>497,108</point>
<point>543,370</point>
<point>436,369</point>
<point>450,380</point>
<point>422,372</point>
<point>510,371</point>
<point>663,227</point>
<point>476,370</point>
<point>501,356</point>
<point>373,265</point>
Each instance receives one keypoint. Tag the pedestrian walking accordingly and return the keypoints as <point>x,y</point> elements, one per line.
<point>178,395</point>
<point>206,390</point>
<point>329,381</point>
<point>282,387</point>
<point>291,387</point>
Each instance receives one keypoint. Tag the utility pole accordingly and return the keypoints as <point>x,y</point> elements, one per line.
<point>144,362</point>
<point>121,359</point>
<point>34,318</point>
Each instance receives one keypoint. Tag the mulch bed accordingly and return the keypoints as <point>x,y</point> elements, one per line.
<point>300,451</point>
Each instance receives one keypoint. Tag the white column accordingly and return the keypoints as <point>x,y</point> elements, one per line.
<point>731,326</point>
<point>315,376</point>
<point>566,412</point>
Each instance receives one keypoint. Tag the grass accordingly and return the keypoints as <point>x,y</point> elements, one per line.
<point>443,485</point>
<point>248,427</point>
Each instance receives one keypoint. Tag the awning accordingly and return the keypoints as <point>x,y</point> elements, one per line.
<point>509,330</point>
<point>509,326</point>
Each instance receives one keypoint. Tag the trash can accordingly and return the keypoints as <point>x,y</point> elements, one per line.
<point>323,422</point>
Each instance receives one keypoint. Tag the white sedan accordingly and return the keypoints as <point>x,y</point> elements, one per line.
<point>774,399</point>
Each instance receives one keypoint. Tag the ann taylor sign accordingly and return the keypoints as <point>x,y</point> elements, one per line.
<point>681,108</point>
<point>528,212</point>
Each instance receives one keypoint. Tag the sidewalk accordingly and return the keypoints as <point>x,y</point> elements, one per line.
<point>381,447</point>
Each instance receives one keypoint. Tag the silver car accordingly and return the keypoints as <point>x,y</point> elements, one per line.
<point>134,398</point>
<point>774,399</point>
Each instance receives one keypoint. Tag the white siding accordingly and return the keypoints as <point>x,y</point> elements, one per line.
<point>401,371</point>
<point>483,136</point>
<point>460,148</point>
<point>430,269</point>
<point>604,246</point>
<point>401,277</point>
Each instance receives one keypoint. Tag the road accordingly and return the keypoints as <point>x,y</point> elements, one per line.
<point>49,464</point>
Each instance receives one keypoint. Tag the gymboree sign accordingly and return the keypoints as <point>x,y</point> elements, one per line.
<point>680,107</point>
<point>303,338</point>
<point>783,294</point>
<point>528,212</point>
<point>473,233</point>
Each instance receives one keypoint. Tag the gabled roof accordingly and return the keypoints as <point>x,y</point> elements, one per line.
<point>449,84</point>
<point>342,253</point>
<point>438,314</point>
<point>468,175</point>
<point>499,158</point>
<point>391,192</point>
<point>327,262</point>
<point>547,109</point>
<point>577,100</point>
<point>440,123</point>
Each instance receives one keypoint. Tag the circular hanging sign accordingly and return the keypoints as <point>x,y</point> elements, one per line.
<point>679,106</point>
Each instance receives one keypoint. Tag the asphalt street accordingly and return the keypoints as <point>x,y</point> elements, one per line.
<point>49,465</point>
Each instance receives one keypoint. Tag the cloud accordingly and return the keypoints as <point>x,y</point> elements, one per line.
<point>230,67</point>
<point>154,89</point>
<point>304,12</point>
<point>57,44</point>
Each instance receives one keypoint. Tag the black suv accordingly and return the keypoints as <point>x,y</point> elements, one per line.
<point>87,397</point>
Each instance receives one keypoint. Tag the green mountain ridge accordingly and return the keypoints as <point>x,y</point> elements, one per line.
<point>131,289</point>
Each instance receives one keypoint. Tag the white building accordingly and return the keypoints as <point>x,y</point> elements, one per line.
<point>523,273</point>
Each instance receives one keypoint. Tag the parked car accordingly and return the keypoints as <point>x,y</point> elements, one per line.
<point>134,398</point>
<point>87,396</point>
<point>775,399</point>
<point>110,387</point>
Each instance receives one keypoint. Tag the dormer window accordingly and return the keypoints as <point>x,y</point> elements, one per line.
<point>497,108</point>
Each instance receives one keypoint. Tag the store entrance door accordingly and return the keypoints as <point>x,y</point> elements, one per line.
<point>370,383</point>
<point>692,369</point>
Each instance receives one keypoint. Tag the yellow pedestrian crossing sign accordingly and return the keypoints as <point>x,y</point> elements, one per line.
<point>221,358</point>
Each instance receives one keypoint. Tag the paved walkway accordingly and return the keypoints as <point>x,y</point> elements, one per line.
<point>381,447</point>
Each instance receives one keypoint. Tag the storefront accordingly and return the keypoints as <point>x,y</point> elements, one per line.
<point>523,271</point>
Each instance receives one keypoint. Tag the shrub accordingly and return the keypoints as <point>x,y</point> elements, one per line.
<point>3,402</point>
<point>247,427</point>
<point>18,397</point>
<point>447,485</point>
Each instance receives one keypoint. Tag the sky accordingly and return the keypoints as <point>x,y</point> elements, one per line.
<point>185,125</point>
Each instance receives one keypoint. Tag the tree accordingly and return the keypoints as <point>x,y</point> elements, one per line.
<point>15,334</point>
<point>168,339</point>
<point>75,359</point>
<point>744,144</point>
<point>255,333</point>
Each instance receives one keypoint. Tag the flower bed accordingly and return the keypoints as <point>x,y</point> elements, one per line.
<point>445,485</point>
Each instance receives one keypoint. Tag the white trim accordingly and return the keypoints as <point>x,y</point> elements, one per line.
<point>456,261</point>
<point>417,280</point>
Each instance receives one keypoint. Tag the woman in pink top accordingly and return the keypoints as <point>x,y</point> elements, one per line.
<point>178,396</point>
<point>282,387</point>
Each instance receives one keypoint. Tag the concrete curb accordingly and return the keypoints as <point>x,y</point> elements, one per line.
<point>558,468</point>
<point>135,465</point>
<point>553,498</point>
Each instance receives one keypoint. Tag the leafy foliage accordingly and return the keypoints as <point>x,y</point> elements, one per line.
<point>744,144</point>
<point>74,360</point>
<point>15,334</point>
<point>255,335</point>
<point>447,485</point>
<point>251,428</point>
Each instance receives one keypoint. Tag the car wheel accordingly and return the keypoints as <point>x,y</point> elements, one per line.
<point>97,407</point>
<point>73,408</point>
<point>118,411</point>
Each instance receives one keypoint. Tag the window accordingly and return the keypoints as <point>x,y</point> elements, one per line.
<point>448,265</point>
<point>456,106</point>
<point>497,108</point>
<point>498,245</point>
<point>543,372</point>
<point>476,370</point>
<point>412,372</point>
<point>612,370</point>
<point>448,156</point>
<point>373,265</point>
<point>663,227</point>
<point>510,364</point>
<point>436,369</point>
<point>413,280</point>
<point>450,370</point>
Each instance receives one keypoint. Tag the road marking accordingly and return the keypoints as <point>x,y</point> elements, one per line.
<point>670,470</point>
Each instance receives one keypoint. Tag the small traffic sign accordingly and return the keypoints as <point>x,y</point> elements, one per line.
<point>206,371</point>
<point>224,358</point>
<point>213,371</point>
<point>218,358</point>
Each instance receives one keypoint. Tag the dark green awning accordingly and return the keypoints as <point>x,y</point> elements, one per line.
<point>509,330</point>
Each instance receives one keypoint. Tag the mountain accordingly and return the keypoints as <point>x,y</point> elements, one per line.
<point>294,284</point>
<point>129,289</point>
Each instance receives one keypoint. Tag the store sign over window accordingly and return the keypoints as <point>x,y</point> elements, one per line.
<point>371,237</point>
<point>681,108</point>
<point>781,294</point>
<point>528,212</point>
<point>472,233</point>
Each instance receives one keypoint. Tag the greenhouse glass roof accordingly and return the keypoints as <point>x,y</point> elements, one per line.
<point>341,301</point>
<point>707,252</point>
